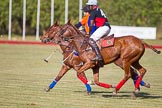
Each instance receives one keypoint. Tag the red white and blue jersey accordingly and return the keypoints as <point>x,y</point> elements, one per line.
<point>99,18</point>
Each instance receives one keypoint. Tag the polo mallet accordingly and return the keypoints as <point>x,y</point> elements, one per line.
<point>47,59</point>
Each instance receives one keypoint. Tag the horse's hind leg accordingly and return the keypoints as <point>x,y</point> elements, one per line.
<point>96,79</point>
<point>134,73</point>
<point>142,71</point>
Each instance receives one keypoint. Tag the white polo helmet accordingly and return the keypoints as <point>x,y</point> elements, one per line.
<point>92,2</point>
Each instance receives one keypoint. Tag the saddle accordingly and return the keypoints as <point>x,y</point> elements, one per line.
<point>106,41</point>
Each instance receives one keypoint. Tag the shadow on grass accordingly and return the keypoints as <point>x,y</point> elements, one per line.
<point>95,92</point>
<point>141,95</point>
<point>123,94</point>
<point>144,95</point>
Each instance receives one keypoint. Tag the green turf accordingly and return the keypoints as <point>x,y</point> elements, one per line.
<point>24,75</point>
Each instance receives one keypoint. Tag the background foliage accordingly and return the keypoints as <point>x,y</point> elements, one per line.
<point>119,12</point>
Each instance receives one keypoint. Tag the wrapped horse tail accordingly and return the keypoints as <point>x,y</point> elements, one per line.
<point>151,47</point>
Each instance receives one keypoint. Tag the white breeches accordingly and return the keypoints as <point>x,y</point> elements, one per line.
<point>101,31</point>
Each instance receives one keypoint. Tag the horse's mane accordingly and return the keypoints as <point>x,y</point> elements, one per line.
<point>78,31</point>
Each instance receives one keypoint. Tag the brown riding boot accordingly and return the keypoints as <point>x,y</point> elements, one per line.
<point>95,48</point>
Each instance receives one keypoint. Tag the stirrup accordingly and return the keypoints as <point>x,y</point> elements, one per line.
<point>95,59</point>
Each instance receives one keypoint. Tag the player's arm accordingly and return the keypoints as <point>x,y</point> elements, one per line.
<point>91,25</point>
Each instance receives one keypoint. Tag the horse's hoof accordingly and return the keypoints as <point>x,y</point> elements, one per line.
<point>133,95</point>
<point>136,91</point>
<point>147,85</point>
<point>87,93</point>
<point>47,89</point>
<point>114,94</point>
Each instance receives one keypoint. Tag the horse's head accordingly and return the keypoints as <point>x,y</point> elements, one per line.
<point>51,33</point>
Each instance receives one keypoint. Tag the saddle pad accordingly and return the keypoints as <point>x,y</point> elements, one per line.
<point>107,42</point>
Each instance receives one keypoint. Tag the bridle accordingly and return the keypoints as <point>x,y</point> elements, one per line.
<point>59,36</point>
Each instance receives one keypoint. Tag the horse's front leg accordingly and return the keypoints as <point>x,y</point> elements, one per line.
<point>96,79</point>
<point>83,78</point>
<point>86,65</point>
<point>62,72</point>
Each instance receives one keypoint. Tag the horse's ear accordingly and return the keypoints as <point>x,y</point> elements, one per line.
<point>56,23</point>
<point>69,21</point>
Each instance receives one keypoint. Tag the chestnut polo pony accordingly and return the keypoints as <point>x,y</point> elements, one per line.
<point>127,50</point>
<point>70,58</point>
<point>50,35</point>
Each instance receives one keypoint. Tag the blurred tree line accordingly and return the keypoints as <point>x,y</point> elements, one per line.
<point>119,12</point>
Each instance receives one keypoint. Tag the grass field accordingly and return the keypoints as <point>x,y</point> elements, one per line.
<point>24,76</point>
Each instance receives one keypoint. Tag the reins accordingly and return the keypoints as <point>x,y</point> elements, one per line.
<point>78,33</point>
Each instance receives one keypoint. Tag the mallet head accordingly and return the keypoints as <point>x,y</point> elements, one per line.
<point>46,60</point>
